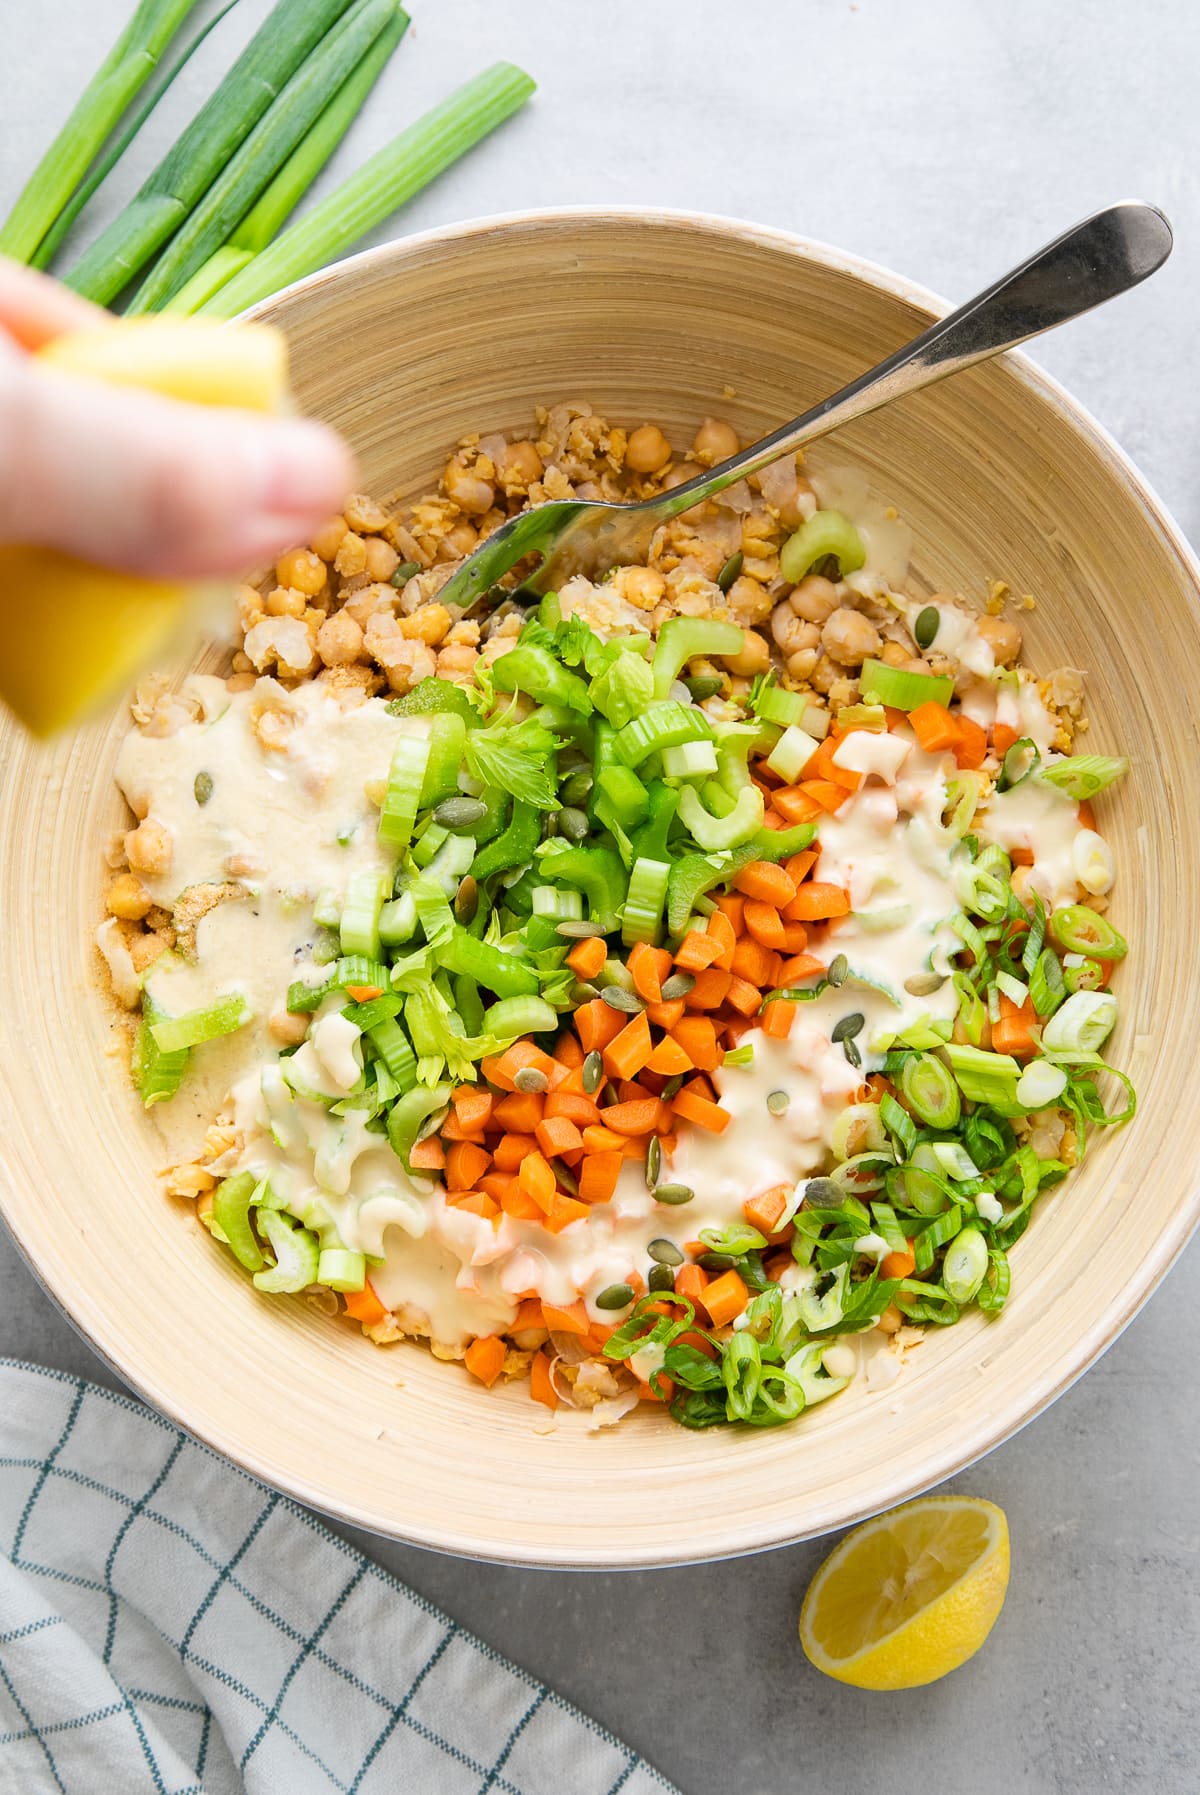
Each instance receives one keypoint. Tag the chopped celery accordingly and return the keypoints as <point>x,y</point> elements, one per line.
<point>430,696</point>
<point>402,799</point>
<point>595,871</point>
<point>514,846</point>
<point>516,1016</point>
<point>775,705</point>
<point>825,533</point>
<point>664,725</point>
<point>397,921</point>
<point>901,690</point>
<point>696,874</point>
<point>296,1256</point>
<point>220,1018</point>
<point>625,793</point>
<point>452,862</point>
<point>642,920</point>
<point>533,670</point>
<point>231,1212</point>
<point>683,639</point>
<point>623,689</point>
<point>340,1269</point>
<point>157,1074</point>
<point>781,844</point>
<point>712,833</point>
<point>792,753</point>
<point>561,906</point>
<point>690,760</point>
<point>490,966</point>
<point>359,928</point>
<point>447,744</point>
<point>407,1116</point>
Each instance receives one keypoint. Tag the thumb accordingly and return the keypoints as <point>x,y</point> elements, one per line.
<point>149,484</point>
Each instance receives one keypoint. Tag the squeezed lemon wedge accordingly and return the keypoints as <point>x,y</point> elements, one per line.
<point>73,633</point>
<point>908,1597</point>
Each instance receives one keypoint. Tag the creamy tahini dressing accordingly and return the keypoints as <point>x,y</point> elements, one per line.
<point>288,823</point>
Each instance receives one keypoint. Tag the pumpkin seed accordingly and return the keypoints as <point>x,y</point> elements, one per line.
<point>576,787</point>
<point>673,1085</point>
<point>924,984</point>
<point>674,1194</point>
<point>577,928</point>
<point>572,823</point>
<point>616,1296</point>
<point>717,1261</point>
<point>661,1278</point>
<point>405,572</point>
<point>202,788</point>
<point>653,1162</point>
<point>704,685</point>
<point>678,985</point>
<point>466,900</point>
<point>778,1102</point>
<point>839,970</point>
<point>627,1002</point>
<point>822,1193</point>
<point>530,1081</point>
<point>926,626</point>
<point>459,813</point>
<point>566,1177</point>
<point>665,1252</point>
<point>848,1027</point>
<point>593,1073</point>
<point>850,1049</point>
<point>730,571</point>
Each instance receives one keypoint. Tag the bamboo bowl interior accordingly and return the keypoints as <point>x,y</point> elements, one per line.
<point>648,317</point>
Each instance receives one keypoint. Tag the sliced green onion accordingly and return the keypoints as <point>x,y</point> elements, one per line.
<point>359,927</point>
<point>901,690</point>
<point>205,148</point>
<point>642,919</point>
<point>383,184</point>
<point>965,1265</point>
<point>223,1017</point>
<point>683,639</point>
<point>402,799</point>
<point>665,725</point>
<point>1047,986</point>
<point>824,533</point>
<point>941,1229</point>
<point>962,801</point>
<point>1021,760</point>
<point>1082,776</point>
<point>1082,930</point>
<point>516,1016</point>
<point>1082,1024</point>
<point>929,1091</point>
<point>984,1077</point>
<point>297,1256</point>
<point>1082,974</point>
<point>895,1119</point>
<point>740,1056</point>
<point>1041,1084</point>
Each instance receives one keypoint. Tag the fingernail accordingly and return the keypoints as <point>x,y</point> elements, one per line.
<point>308,468</point>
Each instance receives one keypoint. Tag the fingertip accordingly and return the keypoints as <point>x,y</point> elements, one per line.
<point>309,471</point>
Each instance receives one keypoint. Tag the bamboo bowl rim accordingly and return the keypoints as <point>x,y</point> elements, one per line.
<point>152,1376</point>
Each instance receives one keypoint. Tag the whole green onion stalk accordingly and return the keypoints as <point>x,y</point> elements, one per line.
<point>97,112</point>
<point>384,183</point>
<point>271,210</point>
<point>281,129</point>
<point>274,53</point>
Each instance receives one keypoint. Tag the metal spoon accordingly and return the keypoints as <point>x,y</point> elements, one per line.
<point>1093,261</point>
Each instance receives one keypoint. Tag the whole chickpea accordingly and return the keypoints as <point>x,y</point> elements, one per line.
<point>792,633</point>
<point>458,541</point>
<point>801,664</point>
<point>815,599</point>
<point>340,640</point>
<point>328,539</point>
<point>893,654</point>
<point>520,466</point>
<point>1002,637</point>
<point>748,600</point>
<point>715,441</point>
<point>149,848</point>
<point>382,559</point>
<point>363,514</point>
<point>286,601</point>
<point>288,1027</point>
<point>642,587</point>
<point>127,898</point>
<point>468,490</point>
<point>792,512</point>
<point>848,637</point>
<point>754,657</point>
<point>647,450</point>
<point>250,607</point>
<point>686,470</point>
<point>302,570</point>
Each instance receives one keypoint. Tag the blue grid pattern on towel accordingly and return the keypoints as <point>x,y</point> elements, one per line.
<point>167,1624</point>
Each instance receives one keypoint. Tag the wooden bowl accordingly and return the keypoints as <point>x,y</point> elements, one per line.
<point>664,317</point>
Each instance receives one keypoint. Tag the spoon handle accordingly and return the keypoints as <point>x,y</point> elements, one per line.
<point>1095,260</point>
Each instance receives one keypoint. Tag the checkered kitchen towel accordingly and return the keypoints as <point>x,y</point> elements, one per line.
<point>169,1625</point>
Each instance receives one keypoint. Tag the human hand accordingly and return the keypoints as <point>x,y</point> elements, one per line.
<point>140,482</point>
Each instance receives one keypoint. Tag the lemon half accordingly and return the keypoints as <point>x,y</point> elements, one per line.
<point>909,1596</point>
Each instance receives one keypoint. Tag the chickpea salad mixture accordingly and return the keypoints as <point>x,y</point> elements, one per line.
<point>679,988</point>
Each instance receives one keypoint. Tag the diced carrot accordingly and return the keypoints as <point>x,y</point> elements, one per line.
<point>587,957</point>
<point>568,1052</point>
<point>1087,816</point>
<point>580,1110</point>
<point>801,864</point>
<point>751,960</point>
<point>510,1150</point>
<point>801,967</point>
<point>484,1358</point>
<point>453,1130</point>
<point>823,766</point>
<point>669,1058</point>
<point>721,931</point>
<point>879,1087</point>
<point>701,1087</point>
<point>708,993</point>
<point>693,1339</point>
<point>1013,1032</point>
<point>796,805</point>
<point>934,727</point>
<point>572,1320</point>
<point>692,1281</point>
<point>632,1118</point>
<point>826,794</point>
<point>541,1384</point>
<point>628,1052</point>
<point>648,967</point>
<point>473,1105</point>
<point>765,924</point>
<point>529,1315</point>
<point>572,1084</point>
<point>733,905</point>
<point>598,1174</point>
<point>537,1179</point>
<point>665,1015</point>
<point>502,1069</point>
<point>743,997</point>
<point>1003,737</point>
<point>777,1019</point>
<point>1021,856</point>
<point>602,1140</point>
<point>520,1112</point>
<point>478,1203</point>
<point>971,749</point>
<point>697,1036</point>
<point>363,993</point>
<point>428,1156</point>
<point>465,1165</point>
<point>700,1111</point>
<point>769,883</point>
<point>557,1135</point>
<point>365,1307</point>
<point>725,1298</point>
<point>596,1024</point>
<point>563,1211</point>
<point>634,1146</point>
<point>696,951</point>
<point>795,938</point>
<point>763,1212</point>
<point>815,901</point>
<point>898,1264</point>
<point>646,1394</point>
<point>500,1185</point>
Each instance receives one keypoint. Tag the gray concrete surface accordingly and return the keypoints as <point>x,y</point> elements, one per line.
<point>943,140</point>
